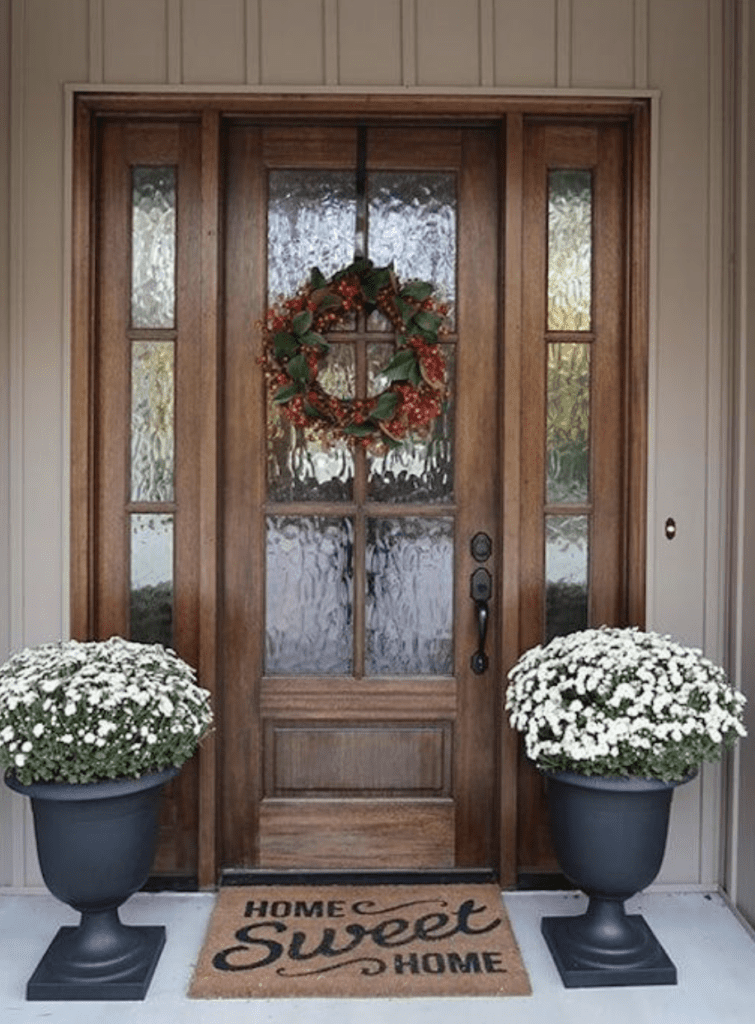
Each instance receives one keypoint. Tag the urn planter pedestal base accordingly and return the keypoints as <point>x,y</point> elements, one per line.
<point>95,843</point>
<point>98,960</point>
<point>609,834</point>
<point>606,948</point>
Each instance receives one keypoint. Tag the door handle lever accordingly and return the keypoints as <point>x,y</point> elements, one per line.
<point>481,590</point>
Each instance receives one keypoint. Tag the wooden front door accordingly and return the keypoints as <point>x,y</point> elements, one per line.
<point>324,593</point>
<point>357,734</point>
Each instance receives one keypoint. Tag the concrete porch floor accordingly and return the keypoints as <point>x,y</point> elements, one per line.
<point>713,952</point>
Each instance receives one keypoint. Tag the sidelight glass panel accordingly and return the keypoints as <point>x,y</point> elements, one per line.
<point>568,423</point>
<point>153,247</point>
<point>409,600</point>
<point>422,469</point>
<point>152,420</point>
<point>310,222</point>
<point>309,596</point>
<point>152,578</point>
<point>569,250</point>
<point>303,468</point>
<point>412,223</point>
<point>566,574</point>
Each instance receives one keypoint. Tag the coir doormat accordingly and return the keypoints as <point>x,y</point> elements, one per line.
<point>355,941</point>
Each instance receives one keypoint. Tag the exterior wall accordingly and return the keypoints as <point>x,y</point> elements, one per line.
<point>742,866</point>
<point>5,833</point>
<point>674,46</point>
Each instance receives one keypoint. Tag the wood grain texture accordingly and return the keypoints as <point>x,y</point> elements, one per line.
<point>352,834</point>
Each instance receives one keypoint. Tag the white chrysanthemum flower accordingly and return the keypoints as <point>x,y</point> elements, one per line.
<point>620,701</point>
<point>111,689</point>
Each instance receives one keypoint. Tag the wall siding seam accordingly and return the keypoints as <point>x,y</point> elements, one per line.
<point>640,43</point>
<point>252,59</point>
<point>20,833</point>
<point>96,41</point>
<point>330,43</point>
<point>174,42</point>
<point>717,475</point>
<point>487,37</point>
<point>563,43</point>
<point>740,212</point>
<point>408,42</point>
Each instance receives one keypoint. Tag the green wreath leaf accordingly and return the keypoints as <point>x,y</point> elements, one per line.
<point>419,290</point>
<point>429,322</point>
<point>317,279</point>
<point>298,368</point>
<point>399,368</point>
<point>385,406</point>
<point>285,344</point>
<point>302,322</point>
<point>286,394</point>
<point>359,429</point>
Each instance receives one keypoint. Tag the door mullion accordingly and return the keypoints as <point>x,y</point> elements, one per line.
<point>360,527</point>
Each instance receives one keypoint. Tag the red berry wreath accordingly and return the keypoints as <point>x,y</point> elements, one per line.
<point>295,346</point>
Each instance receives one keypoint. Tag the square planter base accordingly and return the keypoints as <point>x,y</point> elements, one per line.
<point>50,982</point>
<point>653,968</point>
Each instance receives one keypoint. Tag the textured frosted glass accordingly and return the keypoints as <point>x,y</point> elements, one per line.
<point>152,578</point>
<point>566,574</point>
<point>412,223</point>
<point>152,418</point>
<point>421,470</point>
<point>310,222</point>
<point>569,250</point>
<point>568,422</point>
<point>409,607</point>
<point>308,629</point>
<point>311,469</point>
<point>153,247</point>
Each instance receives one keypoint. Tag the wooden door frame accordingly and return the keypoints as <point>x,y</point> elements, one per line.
<point>90,108</point>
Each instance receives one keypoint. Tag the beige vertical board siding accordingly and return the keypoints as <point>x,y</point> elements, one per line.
<point>680,66</point>
<point>602,44</point>
<point>5,60</point>
<point>6,835</point>
<point>525,43</point>
<point>50,46</point>
<point>369,42</point>
<point>743,876</point>
<point>252,41</point>
<point>213,42</point>
<point>96,40</point>
<point>448,42</point>
<point>292,42</point>
<point>135,41</point>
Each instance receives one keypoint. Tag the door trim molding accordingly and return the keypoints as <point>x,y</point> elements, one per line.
<point>88,103</point>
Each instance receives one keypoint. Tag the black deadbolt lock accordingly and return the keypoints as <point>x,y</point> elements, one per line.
<point>482,547</point>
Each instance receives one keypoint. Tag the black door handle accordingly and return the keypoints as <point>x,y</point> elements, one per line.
<point>481,590</point>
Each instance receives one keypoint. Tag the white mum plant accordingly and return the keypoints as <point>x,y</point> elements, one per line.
<point>615,701</point>
<point>82,712</point>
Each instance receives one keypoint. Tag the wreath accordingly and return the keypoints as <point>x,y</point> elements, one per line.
<point>295,348</point>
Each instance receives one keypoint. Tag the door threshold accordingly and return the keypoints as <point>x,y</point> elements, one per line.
<point>443,876</point>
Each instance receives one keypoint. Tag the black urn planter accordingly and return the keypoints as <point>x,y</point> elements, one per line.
<point>609,835</point>
<point>95,844</point>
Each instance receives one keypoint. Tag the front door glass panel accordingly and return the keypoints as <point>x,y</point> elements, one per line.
<point>404,565</point>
